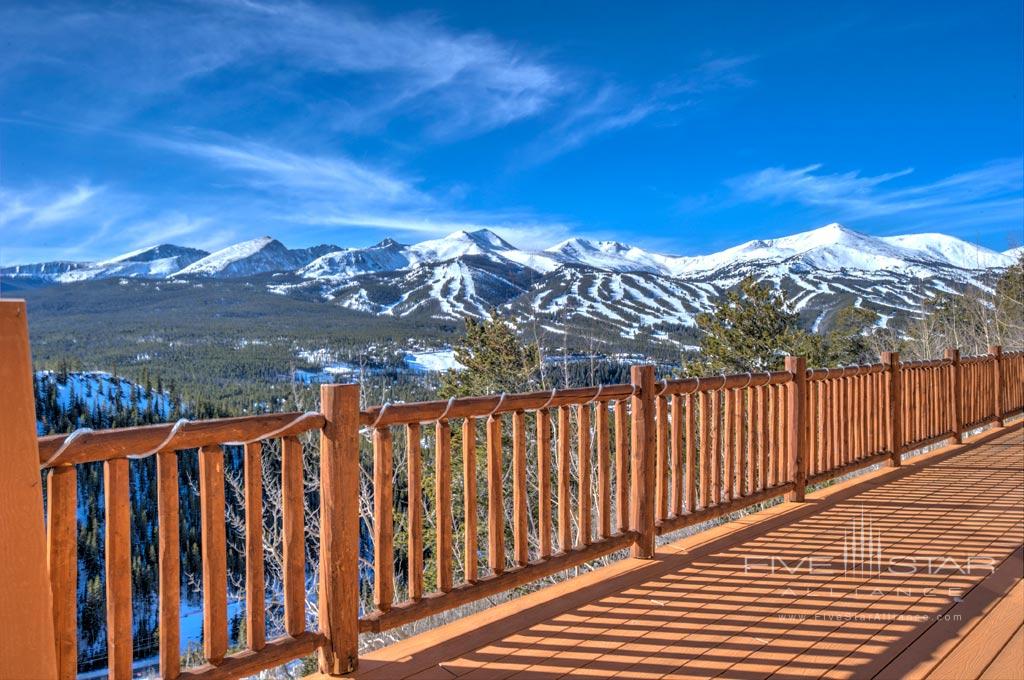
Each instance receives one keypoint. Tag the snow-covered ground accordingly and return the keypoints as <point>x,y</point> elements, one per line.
<point>100,389</point>
<point>430,361</point>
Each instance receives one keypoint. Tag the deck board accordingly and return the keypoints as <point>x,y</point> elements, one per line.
<point>711,605</point>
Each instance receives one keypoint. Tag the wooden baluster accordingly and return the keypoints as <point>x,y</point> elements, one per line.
<point>705,449</point>
<point>255,586</point>
<point>955,395</point>
<point>520,509</point>
<point>621,466</point>
<point>752,453</point>
<point>62,564</point>
<point>443,491</point>
<point>293,539</point>
<point>763,436</point>
<point>781,463</point>
<point>677,455</point>
<point>214,545</point>
<point>661,459</point>
<point>118,566</point>
<point>716,447</point>
<point>383,521</point>
<point>469,496</point>
<point>691,454</point>
<point>564,502</point>
<point>729,437</point>
<point>773,436</point>
<point>821,457</point>
<point>544,481</point>
<point>414,473</point>
<point>169,559</point>
<point>996,352</point>
<point>583,443</point>
<point>495,498</point>
<point>604,473</point>
<point>739,454</point>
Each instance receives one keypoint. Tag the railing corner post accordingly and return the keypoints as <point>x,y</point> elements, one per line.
<point>996,352</point>
<point>894,412</point>
<point>27,641</point>
<point>643,449</point>
<point>339,529</point>
<point>797,427</point>
<point>956,399</point>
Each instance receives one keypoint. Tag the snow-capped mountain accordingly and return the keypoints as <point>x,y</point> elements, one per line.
<point>257,256</point>
<point>155,262</point>
<point>622,286</point>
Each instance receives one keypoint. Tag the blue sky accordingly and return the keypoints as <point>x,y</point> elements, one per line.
<point>685,127</point>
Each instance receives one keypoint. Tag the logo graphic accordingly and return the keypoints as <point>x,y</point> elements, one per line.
<point>862,548</point>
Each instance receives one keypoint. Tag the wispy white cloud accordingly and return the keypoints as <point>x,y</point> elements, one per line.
<point>610,108</point>
<point>37,207</point>
<point>124,58</point>
<point>327,177</point>
<point>991,192</point>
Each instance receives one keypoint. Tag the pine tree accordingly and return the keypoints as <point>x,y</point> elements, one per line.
<point>752,328</point>
<point>496,360</point>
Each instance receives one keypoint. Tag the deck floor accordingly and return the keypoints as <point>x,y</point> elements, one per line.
<point>909,572</point>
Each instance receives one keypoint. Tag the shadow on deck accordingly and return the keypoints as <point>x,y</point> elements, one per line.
<point>898,573</point>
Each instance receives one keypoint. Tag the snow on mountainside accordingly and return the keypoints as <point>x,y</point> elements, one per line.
<point>155,262</point>
<point>1014,253</point>
<point>257,256</point>
<point>623,286</point>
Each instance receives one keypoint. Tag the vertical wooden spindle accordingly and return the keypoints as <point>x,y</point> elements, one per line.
<point>443,503</point>
<point>62,564</point>
<point>705,449</point>
<point>469,496</point>
<point>383,521</point>
<point>564,494</point>
<point>729,397</point>
<point>294,538</point>
<point>414,473</point>
<point>715,454</point>
<point>520,508</point>
<point>996,352</point>
<point>255,598</point>
<point>677,455</point>
<point>118,566</point>
<point>955,395</point>
<point>621,466</point>
<point>214,546</point>
<point>544,482</point>
<point>661,458</point>
<point>495,498</point>
<point>691,454</point>
<point>583,441</point>
<point>169,558</point>
<point>604,473</point>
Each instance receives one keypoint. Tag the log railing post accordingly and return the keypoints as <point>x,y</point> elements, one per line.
<point>27,645</point>
<point>642,483</point>
<point>996,352</point>
<point>894,410</point>
<point>956,403</point>
<point>339,528</point>
<point>796,427</point>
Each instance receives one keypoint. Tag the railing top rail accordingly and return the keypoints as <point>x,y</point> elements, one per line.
<point>932,363</point>
<point>722,382</point>
<point>85,446</point>
<point>814,374</point>
<point>465,407</point>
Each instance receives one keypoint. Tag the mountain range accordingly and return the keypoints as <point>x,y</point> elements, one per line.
<point>607,282</point>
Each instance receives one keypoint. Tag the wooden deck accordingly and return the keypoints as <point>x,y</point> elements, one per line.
<point>840,586</point>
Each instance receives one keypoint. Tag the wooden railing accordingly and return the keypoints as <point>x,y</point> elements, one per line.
<point>591,471</point>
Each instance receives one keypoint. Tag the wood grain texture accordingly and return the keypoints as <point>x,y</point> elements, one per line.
<point>118,567</point>
<point>383,520</point>
<point>604,473</point>
<point>214,546</point>
<point>443,492</point>
<point>62,564</point>
<point>584,520</point>
<point>255,584</point>
<point>470,559</point>
<point>544,483</point>
<point>564,479</point>
<point>414,473</point>
<point>520,493</point>
<point>495,498</point>
<point>169,559</point>
<point>293,536</point>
